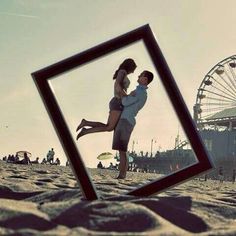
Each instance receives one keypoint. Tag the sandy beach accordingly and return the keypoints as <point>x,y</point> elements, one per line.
<point>46,200</point>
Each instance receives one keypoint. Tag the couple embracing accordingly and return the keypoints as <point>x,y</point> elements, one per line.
<point>123,110</point>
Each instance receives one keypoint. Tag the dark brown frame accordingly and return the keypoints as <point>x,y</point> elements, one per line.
<point>42,77</point>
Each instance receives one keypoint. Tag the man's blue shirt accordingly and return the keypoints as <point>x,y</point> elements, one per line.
<point>132,104</point>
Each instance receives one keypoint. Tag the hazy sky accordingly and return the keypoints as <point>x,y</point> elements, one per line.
<point>194,35</point>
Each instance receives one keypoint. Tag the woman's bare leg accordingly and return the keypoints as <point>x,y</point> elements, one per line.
<point>89,123</point>
<point>111,123</point>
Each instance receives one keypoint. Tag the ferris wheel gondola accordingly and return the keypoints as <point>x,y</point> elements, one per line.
<point>216,97</point>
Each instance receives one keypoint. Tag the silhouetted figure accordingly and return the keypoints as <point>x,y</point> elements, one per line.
<point>117,166</point>
<point>67,163</point>
<point>50,156</point>
<point>157,154</point>
<point>44,161</point>
<point>234,176</point>
<point>221,174</point>
<point>35,161</point>
<point>11,159</point>
<point>100,166</point>
<point>57,162</point>
<point>111,167</point>
<point>17,158</point>
<point>4,158</point>
<point>25,161</point>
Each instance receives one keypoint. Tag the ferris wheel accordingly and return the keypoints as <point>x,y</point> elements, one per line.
<point>216,97</point>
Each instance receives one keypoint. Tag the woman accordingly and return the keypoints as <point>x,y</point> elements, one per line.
<point>120,89</point>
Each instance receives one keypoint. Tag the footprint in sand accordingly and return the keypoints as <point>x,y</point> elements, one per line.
<point>17,177</point>
<point>47,180</point>
<point>39,183</point>
<point>42,171</point>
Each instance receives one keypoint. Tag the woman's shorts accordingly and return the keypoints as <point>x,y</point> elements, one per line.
<point>115,104</point>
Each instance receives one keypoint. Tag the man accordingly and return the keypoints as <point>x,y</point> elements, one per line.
<point>132,104</point>
<point>221,174</point>
<point>234,176</point>
<point>50,156</point>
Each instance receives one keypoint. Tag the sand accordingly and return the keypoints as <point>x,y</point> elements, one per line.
<point>46,200</point>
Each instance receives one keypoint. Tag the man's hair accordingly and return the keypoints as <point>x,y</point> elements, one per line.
<point>149,75</point>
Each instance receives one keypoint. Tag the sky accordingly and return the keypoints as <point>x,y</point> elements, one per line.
<point>193,35</point>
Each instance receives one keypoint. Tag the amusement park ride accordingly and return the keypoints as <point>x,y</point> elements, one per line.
<point>215,113</point>
<point>215,117</point>
<point>216,98</point>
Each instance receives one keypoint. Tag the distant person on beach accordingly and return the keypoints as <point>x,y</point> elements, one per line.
<point>100,166</point>
<point>11,159</point>
<point>111,167</point>
<point>25,160</point>
<point>50,156</point>
<point>44,161</point>
<point>132,105</point>
<point>57,162</point>
<point>234,176</point>
<point>120,90</point>
<point>36,161</point>
<point>17,157</point>
<point>220,174</point>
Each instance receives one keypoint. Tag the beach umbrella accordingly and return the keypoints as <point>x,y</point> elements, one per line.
<point>21,154</point>
<point>105,156</point>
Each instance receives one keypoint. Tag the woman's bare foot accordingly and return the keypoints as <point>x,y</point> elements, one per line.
<point>81,133</point>
<point>81,125</point>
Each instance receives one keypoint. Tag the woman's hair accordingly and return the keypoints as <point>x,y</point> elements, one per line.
<point>128,65</point>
